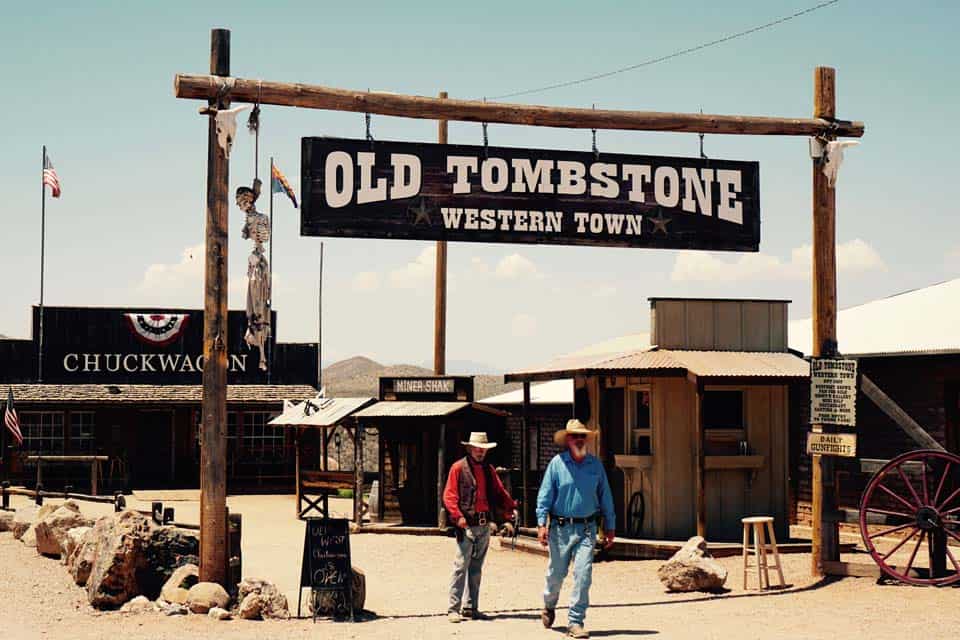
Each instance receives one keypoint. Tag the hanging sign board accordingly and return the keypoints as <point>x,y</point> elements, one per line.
<point>833,392</point>
<point>416,191</point>
<point>326,565</point>
<point>832,444</point>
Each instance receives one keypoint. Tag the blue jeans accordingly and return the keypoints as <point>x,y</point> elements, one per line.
<point>570,542</point>
<point>468,568</point>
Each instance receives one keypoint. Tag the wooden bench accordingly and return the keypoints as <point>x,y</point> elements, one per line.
<point>316,487</point>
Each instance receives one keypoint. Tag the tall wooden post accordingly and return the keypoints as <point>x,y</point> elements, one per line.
<point>825,536</point>
<point>440,310</point>
<point>700,480</point>
<point>441,468</point>
<point>524,454</point>
<point>213,444</point>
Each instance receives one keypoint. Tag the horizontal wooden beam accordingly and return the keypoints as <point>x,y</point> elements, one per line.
<point>204,87</point>
<point>902,419</point>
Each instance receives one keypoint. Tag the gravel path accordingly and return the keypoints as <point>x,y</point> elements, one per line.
<point>407,579</point>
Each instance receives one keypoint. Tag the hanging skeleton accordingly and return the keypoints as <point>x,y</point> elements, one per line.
<point>256,228</point>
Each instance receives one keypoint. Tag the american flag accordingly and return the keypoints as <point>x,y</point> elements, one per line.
<point>11,419</point>
<point>50,177</point>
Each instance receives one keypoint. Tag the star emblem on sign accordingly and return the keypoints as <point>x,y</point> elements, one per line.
<point>660,222</point>
<point>421,212</point>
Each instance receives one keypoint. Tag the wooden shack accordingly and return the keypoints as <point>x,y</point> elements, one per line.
<point>693,427</point>
<point>420,423</point>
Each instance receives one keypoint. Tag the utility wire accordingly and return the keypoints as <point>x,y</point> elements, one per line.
<point>675,54</point>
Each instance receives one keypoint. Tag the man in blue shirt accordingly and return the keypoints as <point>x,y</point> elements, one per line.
<point>574,493</point>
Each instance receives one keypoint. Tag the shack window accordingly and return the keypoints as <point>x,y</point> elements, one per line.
<point>81,431</point>
<point>261,440</point>
<point>723,409</point>
<point>639,412</point>
<point>42,432</point>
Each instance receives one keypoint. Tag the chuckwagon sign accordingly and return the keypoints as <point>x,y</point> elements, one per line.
<point>417,191</point>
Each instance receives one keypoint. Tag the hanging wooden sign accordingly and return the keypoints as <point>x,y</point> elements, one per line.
<point>417,191</point>
<point>843,445</point>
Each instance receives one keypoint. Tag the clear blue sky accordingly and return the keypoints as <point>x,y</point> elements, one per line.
<point>93,81</point>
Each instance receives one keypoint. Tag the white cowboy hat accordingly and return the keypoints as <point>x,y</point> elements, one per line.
<point>479,440</point>
<point>574,426</point>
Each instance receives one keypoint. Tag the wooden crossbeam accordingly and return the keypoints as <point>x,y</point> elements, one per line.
<point>205,87</point>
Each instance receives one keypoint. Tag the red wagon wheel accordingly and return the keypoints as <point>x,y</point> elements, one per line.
<point>915,498</point>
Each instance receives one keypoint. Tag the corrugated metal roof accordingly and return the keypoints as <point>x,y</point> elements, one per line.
<point>919,322</point>
<point>153,393</point>
<point>705,364</point>
<point>552,392</point>
<point>321,412</point>
<point>411,409</point>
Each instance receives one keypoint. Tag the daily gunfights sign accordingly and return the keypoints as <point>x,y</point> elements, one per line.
<point>417,191</point>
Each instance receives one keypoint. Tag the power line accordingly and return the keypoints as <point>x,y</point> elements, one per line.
<point>675,54</point>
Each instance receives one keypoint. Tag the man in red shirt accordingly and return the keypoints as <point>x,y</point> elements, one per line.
<point>475,499</point>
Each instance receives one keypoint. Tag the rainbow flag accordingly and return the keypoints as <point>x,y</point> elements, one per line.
<point>279,184</point>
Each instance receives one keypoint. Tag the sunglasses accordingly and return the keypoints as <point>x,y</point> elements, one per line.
<point>578,436</point>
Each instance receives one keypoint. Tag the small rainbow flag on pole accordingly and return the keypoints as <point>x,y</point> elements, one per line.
<point>279,184</point>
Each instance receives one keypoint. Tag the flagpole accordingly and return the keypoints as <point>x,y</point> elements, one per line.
<point>43,238</point>
<point>273,334</point>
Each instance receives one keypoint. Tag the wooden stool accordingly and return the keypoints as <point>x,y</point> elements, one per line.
<point>760,550</point>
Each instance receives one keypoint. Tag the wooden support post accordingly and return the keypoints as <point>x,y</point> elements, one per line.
<point>524,454</point>
<point>698,444</point>
<point>306,96</point>
<point>357,474</point>
<point>440,309</point>
<point>826,535</point>
<point>297,444</point>
<point>213,444</point>
<point>323,448</point>
<point>441,467</point>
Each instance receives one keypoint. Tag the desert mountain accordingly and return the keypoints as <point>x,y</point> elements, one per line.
<point>359,376</point>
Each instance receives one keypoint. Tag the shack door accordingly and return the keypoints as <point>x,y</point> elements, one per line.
<point>153,456</point>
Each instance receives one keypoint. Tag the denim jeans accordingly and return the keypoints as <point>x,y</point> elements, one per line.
<point>468,568</point>
<point>571,542</point>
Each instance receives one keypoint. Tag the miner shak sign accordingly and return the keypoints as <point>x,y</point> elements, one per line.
<point>416,191</point>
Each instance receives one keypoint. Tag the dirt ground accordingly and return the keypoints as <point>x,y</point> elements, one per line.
<point>406,594</point>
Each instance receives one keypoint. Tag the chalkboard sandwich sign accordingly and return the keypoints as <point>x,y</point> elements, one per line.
<point>326,565</point>
<point>418,191</point>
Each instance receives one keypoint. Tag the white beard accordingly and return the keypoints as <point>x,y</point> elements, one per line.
<point>579,451</point>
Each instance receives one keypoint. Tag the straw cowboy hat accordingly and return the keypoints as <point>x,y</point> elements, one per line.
<point>574,426</point>
<point>479,440</point>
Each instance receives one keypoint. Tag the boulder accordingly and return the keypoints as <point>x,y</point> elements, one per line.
<point>23,517</point>
<point>178,585</point>
<point>168,549</point>
<point>81,561</point>
<point>331,603</point>
<point>6,521</point>
<point>261,599</point>
<point>219,614</point>
<point>140,604</point>
<point>52,529</point>
<point>121,543</point>
<point>692,568</point>
<point>204,596</point>
<point>250,607</point>
<point>70,542</point>
<point>29,537</point>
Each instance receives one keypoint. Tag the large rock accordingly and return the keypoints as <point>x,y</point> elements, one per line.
<point>178,585</point>
<point>122,543</point>
<point>52,529</point>
<point>331,603</point>
<point>204,596</point>
<point>692,568</point>
<point>168,549</point>
<point>6,521</point>
<point>219,614</point>
<point>23,519</point>
<point>70,542</point>
<point>261,599</point>
<point>81,561</point>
